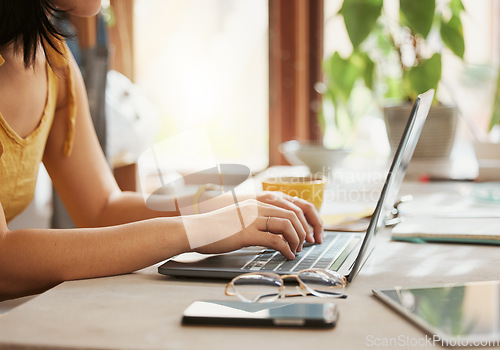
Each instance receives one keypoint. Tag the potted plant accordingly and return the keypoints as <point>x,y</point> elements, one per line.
<point>396,57</point>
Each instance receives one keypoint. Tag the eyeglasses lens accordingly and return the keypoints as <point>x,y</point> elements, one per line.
<point>258,287</point>
<point>323,283</point>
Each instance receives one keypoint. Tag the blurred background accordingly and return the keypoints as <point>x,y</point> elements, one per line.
<point>252,74</point>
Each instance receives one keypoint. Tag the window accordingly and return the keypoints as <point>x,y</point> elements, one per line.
<point>204,64</point>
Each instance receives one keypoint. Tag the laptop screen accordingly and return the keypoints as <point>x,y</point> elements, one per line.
<point>395,175</point>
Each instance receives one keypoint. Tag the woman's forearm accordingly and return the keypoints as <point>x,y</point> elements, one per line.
<point>123,207</point>
<point>34,260</point>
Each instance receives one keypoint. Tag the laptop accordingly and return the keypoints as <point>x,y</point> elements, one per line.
<point>345,252</point>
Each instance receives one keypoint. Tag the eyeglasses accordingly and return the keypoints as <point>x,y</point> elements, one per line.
<point>268,287</point>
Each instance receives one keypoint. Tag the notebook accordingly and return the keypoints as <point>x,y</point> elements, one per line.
<point>479,230</point>
<point>471,215</point>
<point>344,252</point>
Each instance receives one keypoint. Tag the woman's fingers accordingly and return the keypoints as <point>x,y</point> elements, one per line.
<point>281,200</point>
<point>284,227</point>
<point>276,242</point>
<point>311,216</point>
<point>283,222</point>
<point>305,211</point>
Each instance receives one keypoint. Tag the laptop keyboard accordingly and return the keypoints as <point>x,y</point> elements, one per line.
<point>312,256</point>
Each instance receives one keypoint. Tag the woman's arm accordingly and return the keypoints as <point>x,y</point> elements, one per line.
<point>83,179</point>
<point>33,260</point>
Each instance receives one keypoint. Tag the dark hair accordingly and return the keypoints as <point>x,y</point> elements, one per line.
<point>26,24</point>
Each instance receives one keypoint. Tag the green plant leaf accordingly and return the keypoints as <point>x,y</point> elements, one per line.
<point>394,89</point>
<point>456,7</point>
<point>360,17</point>
<point>495,116</point>
<point>425,76</point>
<point>452,35</point>
<point>418,15</point>
<point>368,71</point>
<point>343,73</point>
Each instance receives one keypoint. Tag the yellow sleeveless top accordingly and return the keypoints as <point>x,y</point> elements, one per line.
<point>20,157</point>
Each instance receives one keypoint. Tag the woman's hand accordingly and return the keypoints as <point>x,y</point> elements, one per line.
<point>250,223</point>
<point>305,211</point>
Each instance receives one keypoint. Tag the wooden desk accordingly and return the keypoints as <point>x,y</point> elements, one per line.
<point>143,310</point>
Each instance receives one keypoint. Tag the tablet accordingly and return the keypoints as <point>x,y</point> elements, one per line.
<point>455,314</point>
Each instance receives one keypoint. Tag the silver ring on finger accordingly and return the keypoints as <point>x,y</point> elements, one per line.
<point>293,199</point>
<point>267,224</point>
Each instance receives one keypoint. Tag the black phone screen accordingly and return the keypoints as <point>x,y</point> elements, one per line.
<point>278,314</point>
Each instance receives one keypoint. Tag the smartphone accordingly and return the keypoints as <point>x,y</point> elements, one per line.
<point>277,314</point>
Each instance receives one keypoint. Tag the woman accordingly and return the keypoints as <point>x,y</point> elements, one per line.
<point>44,116</point>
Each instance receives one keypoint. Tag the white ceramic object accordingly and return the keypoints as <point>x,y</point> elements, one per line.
<point>316,157</point>
<point>438,134</point>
